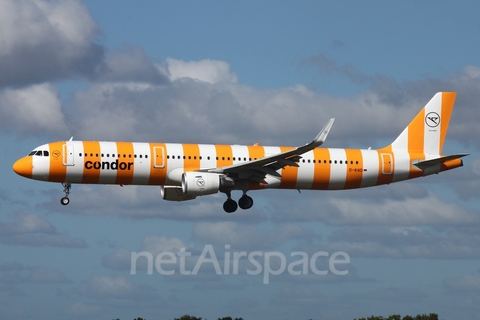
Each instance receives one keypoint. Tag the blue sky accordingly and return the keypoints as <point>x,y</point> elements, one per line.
<point>272,72</point>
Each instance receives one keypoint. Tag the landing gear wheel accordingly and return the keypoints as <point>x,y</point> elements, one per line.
<point>230,206</point>
<point>66,189</point>
<point>245,202</point>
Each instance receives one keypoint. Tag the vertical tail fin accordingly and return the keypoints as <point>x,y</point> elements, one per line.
<point>426,133</point>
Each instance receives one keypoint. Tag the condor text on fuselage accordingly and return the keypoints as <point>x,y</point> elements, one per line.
<point>105,165</point>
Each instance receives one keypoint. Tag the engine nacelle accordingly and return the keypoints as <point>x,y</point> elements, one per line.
<point>173,193</point>
<point>200,183</point>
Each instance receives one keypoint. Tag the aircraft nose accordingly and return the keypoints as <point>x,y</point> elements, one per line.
<point>23,167</point>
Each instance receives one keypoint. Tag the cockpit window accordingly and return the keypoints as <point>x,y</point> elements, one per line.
<point>40,153</point>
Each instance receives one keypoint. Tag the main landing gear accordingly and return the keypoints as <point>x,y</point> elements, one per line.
<point>66,188</point>
<point>245,202</point>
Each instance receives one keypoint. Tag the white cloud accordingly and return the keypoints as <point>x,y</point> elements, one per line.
<point>407,242</point>
<point>33,230</point>
<point>465,284</point>
<point>32,110</point>
<point>46,40</point>
<point>429,210</point>
<point>157,244</point>
<point>211,71</point>
<point>117,287</point>
<point>247,237</point>
<point>130,64</point>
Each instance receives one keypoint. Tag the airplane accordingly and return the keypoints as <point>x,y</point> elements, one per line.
<point>186,171</point>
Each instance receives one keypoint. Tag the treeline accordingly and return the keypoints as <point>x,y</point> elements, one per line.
<point>189,317</point>
<point>430,316</point>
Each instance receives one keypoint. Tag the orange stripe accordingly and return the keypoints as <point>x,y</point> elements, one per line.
<point>289,174</point>
<point>124,149</point>
<point>416,133</point>
<point>92,153</point>
<point>158,175</point>
<point>58,171</point>
<point>321,175</point>
<point>354,170</point>
<point>452,164</point>
<point>448,99</point>
<point>224,155</point>
<point>191,153</point>
<point>255,152</point>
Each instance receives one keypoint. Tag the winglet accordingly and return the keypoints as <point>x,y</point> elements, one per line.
<point>322,135</point>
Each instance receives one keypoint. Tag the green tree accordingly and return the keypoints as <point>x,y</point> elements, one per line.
<point>431,316</point>
<point>188,317</point>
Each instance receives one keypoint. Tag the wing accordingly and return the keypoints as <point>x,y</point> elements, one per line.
<point>256,170</point>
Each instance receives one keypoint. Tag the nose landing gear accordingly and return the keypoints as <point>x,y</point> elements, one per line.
<point>66,189</point>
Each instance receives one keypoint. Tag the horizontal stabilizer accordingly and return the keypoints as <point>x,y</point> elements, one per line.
<point>424,164</point>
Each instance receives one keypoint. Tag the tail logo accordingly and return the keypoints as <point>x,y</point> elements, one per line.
<point>432,119</point>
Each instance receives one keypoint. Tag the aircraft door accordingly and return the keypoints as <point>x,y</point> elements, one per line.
<point>159,156</point>
<point>68,155</point>
<point>387,164</point>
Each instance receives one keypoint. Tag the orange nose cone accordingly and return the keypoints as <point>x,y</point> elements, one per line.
<point>23,167</point>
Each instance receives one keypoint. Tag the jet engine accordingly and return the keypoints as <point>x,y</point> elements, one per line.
<point>196,184</point>
<point>174,193</point>
<point>200,183</point>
